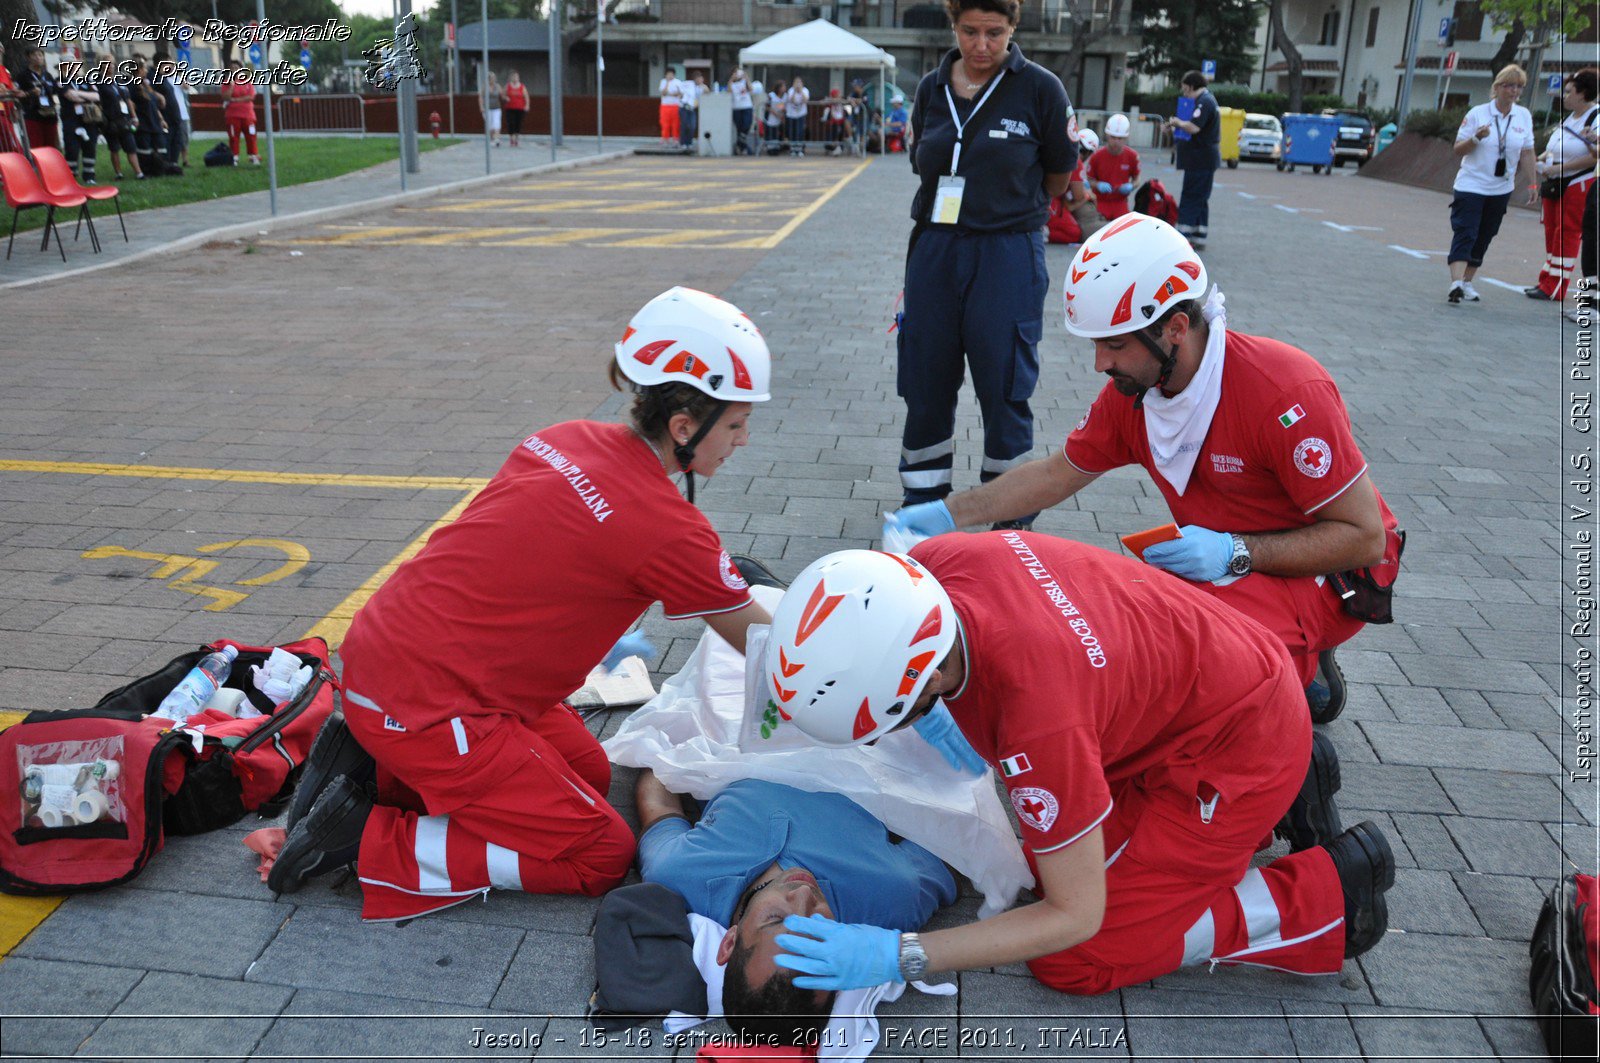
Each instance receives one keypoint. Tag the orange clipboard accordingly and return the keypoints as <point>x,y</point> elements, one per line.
<point>1138,542</point>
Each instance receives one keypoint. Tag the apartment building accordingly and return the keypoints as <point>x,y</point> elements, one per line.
<point>1356,48</point>
<point>706,35</point>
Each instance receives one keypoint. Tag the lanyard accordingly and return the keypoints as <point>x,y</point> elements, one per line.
<point>1500,131</point>
<point>961,127</point>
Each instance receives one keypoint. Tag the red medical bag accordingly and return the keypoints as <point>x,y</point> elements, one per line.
<point>1565,951</point>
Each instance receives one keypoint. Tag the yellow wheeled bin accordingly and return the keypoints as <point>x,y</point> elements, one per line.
<point>1232,123</point>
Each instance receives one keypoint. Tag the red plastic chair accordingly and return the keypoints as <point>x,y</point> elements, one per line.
<point>56,173</point>
<point>23,189</point>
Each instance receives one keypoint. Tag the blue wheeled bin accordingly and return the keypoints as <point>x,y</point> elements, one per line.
<point>1308,141</point>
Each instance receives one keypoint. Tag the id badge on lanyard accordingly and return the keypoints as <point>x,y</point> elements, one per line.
<point>947,197</point>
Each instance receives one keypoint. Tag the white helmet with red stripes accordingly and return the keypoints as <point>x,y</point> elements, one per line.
<point>853,643</point>
<point>1127,275</point>
<point>684,336</point>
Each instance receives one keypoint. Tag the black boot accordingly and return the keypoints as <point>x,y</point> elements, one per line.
<point>1365,864</point>
<point>335,752</point>
<point>1326,694</point>
<point>328,838</point>
<point>1313,818</point>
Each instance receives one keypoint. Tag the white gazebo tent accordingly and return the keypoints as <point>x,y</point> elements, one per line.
<point>819,43</point>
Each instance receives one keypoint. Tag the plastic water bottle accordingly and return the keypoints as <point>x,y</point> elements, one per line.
<point>196,688</point>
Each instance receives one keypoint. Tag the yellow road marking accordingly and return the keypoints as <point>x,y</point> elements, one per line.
<point>452,236</point>
<point>304,479</point>
<point>560,236</point>
<point>464,205</point>
<point>332,627</point>
<point>755,207</point>
<point>642,206</point>
<point>370,233</point>
<point>799,219</point>
<point>672,238</point>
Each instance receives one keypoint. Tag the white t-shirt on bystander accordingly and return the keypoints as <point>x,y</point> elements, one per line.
<point>671,91</point>
<point>794,104</point>
<point>742,101</point>
<point>691,95</point>
<point>1514,132</point>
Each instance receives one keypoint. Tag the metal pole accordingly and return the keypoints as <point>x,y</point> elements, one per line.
<point>406,101</point>
<point>1411,64</point>
<point>455,62</point>
<point>272,155</point>
<point>483,85</point>
<point>600,77</point>
<point>400,135</point>
<point>558,72</point>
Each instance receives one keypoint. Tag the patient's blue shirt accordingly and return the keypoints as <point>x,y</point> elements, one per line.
<point>866,876</point>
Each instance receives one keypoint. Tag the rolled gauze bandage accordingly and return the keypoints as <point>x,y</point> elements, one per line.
<point>90,806</point>
<point>226,700</point>
<point>54,818</point>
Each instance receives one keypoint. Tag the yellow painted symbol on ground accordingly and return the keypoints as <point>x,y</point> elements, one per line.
<point>560,236</point>
<point>452,236</point>
<point>184,572</point>
<point>679,238</point>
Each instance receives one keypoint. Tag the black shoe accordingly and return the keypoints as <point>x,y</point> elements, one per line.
<point>1538,293</point>
<point>1456,295</point>
<point>755,573</point>
<point>1365,863</point>
<point>1012,525</point>
<point>334,753</point>
<point>1313,818</point>
<point>1326,694</point>
<point>328,838</point>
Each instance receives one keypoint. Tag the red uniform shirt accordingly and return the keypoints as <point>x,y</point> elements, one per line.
<point>517,97</point>
<point>510,606</point>
<point>1255,473</point>
<point>239,102</point>
<point>1116,170</point>
<point>1085,668</point>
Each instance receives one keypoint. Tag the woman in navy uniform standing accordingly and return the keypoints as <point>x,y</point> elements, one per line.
<point>993,144</point>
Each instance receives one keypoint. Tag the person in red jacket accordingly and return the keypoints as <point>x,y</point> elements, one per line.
<point>1113,171</point>
<point>239,110</point>
<point>456,670</point>
<point>516,108</point>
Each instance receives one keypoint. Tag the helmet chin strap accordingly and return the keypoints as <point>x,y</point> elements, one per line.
<point>684,451</point>
<point>1167,358</point>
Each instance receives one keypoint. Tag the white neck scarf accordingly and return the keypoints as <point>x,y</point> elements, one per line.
<point>1177,426</point>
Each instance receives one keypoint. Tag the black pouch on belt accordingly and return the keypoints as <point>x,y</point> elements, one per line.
<point>1367,593</point>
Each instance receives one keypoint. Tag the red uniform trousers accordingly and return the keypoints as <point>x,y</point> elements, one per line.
<point>1062,228</point>
<point>1181,891</point>
<point>1306,616</point>
<point>245,127</point>
<point>670,118</point>
<point>1563,233</point>
<point>42,134</point>
<point>1111,206</point>
<point>516,804</point>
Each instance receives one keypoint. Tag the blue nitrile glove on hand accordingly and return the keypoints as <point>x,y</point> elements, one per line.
<point>911,525</point>
<point>839,955</point>
<point>1103,187</point>
<point>633,644</point>
<point>1201,554</point>
<point>938,728</point>
<point>1124,188</point>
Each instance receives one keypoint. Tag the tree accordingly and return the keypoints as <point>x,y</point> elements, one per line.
<point>1279,38</point>
<point>1547,19</point>
<point>1179,34</point>
<point>1506,54</point>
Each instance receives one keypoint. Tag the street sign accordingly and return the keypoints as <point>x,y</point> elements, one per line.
<point>1450,62</point>
<point>305,58</point>
<point>1552,84</point>
<point>255,55</point>
<point>184,55</point>
<point>1444,32</point>
<point>450,35</point>
<point>1208,67</point>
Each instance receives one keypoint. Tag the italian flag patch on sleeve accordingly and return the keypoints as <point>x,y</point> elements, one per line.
<point>1288,417</point>
<point>1014,766</point>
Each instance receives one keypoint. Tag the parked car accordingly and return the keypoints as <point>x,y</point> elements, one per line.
<point>1356,137</point>
<point>1261,138</point>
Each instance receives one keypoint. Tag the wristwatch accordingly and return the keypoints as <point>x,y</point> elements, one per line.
<point>913,959</point>
<point>1239,563</point>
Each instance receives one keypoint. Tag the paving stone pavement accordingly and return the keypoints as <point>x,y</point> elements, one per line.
<point>1455,740</point>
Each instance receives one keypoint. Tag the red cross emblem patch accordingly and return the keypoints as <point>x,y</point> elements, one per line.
<point>1037,807</point>
<point>1313,457</point>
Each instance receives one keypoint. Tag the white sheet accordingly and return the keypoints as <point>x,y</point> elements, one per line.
<point>688,734</point>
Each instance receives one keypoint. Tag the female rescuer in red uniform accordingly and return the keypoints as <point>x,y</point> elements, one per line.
<point>456,669</point>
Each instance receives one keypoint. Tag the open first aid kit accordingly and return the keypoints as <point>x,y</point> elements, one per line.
<point>88,795</point>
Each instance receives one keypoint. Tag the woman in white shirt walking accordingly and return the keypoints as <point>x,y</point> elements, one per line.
<point>1495,145</point>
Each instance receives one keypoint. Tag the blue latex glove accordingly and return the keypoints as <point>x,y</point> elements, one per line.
<point>633,644</point>
<point>1124,188</point>
<point>1103,187</point>
<point>1201,554</point>
<point>938,728</point>
<point>839,955</point>
<point>919,522</point>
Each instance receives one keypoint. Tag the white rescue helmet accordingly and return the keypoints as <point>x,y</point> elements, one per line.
<point>1088,140</point>
<point>1127,275</point>
<point>853,643</point>
<point>684,336</point>
<point>1117,125</point>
